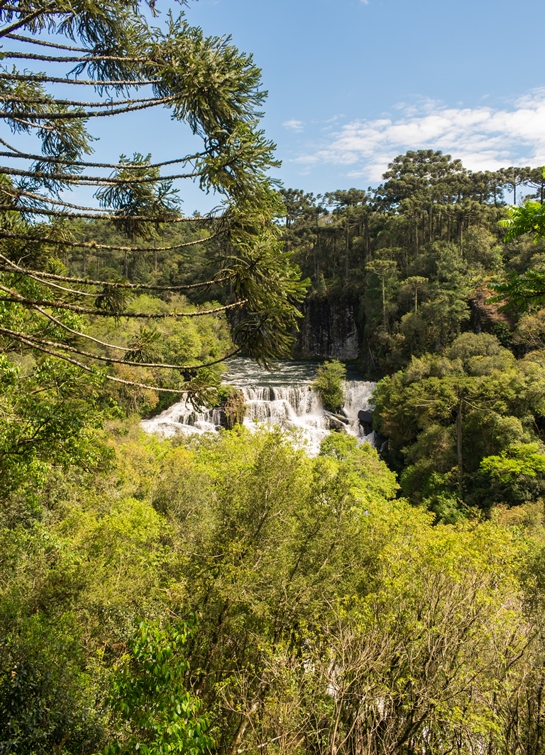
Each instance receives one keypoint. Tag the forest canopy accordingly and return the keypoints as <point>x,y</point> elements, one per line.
<point>228,593</point>
<point>442,281</point>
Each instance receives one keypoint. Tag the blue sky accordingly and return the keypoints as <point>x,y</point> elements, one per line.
<point>354,83</point>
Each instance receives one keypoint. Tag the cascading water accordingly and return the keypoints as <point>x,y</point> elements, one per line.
<point>283,397</point>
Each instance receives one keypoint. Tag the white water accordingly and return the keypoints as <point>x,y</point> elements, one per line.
<point>283,398</point>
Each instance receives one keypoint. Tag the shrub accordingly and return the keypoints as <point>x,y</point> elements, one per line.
<point>328,384</point>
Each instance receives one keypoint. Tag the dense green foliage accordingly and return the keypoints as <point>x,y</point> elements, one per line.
<point>228,594</point>
<point>231,593</point>
<point>415,257</point>
<point>148,693</point>
<point>329,384</point>
<point>451,414</point>
<point>446,285</point>
<point>524,290</point>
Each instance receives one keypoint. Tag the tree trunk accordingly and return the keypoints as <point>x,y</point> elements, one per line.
<point>459,445</point>
<point>347,250</point>
<point>384,301</point>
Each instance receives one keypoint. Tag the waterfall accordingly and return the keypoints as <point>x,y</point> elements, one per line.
<point>183,418</point>
<point>284,398</point>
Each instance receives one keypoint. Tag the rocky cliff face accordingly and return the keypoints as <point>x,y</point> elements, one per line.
<point>329,328</point>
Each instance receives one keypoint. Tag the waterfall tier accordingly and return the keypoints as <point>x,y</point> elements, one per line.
<point>291,405</point>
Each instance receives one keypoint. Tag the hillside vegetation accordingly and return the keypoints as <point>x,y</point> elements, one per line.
<point>227,594</point>
<point>231,593</point>
<point>419,260</point>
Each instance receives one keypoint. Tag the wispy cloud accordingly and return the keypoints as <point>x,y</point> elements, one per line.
<point>294,125</point>
<point>484,138</point>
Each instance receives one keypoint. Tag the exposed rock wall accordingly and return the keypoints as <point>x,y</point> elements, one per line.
<point>329,328</point>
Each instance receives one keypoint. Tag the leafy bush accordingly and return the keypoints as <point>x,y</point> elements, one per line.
<point>328,384</point>
<point>517,475</point>
<point>157,714</point>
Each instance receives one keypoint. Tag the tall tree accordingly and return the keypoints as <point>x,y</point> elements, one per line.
<point>351,206</point>
<point>112,51</point>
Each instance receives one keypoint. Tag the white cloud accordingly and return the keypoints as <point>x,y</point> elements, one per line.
<point>294,125</point>
<point>484,138</point>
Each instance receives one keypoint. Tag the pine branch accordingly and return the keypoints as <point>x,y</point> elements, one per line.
<point>43,43</point>
<point>43,78</point>
<point>78,103</point>
<point>26,20</point>
<point>15,298</point>
<point>86,368</point>
<point>62,325</point>
<point>56,286</point>
<point>29,124</point>
<point>15,55</point>
<point>109,247</point>
<point>39,276</point>
<point>85,164</point>
<point>70,178</point>
<point>18,193</point>
<point>44,277</point>
<point>113,360</point>
<point>75,115</point>
<point>223,113</point>
<point>114,215</point>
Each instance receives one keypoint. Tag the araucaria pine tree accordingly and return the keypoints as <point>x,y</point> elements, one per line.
<point>66,64</point>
